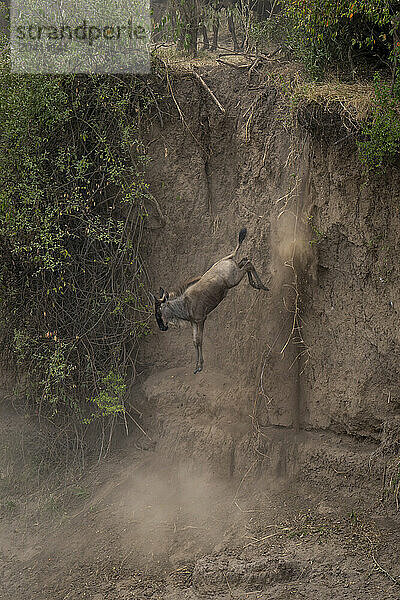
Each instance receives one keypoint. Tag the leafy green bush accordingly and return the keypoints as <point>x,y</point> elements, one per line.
<point>323,32</point>
<point>264,31</point>
<point>382,131</point>
<point>184,18</point>
<point>72,210</point>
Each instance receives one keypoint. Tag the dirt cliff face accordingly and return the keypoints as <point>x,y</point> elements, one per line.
<point>322,347</point>
<point>353,327</point>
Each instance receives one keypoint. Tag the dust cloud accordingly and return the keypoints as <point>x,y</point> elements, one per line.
<point>171,511</point>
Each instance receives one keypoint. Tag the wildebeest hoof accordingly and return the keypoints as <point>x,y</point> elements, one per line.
<point>198,370</point>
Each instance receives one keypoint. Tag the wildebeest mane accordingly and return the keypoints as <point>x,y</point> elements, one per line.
<point>181,289</point>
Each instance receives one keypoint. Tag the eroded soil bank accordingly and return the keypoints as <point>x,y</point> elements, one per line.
<point>297,184</point>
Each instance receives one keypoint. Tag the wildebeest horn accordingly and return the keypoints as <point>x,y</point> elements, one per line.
<point>154,298</point>
<point>163,295</point>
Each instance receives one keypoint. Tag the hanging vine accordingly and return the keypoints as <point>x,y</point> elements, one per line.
<point>72,214</point>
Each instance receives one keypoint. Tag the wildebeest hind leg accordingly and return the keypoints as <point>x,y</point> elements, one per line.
<point>253,275</point>
<point>206,43</point>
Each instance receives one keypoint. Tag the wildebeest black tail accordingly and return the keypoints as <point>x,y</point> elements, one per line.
<point>242,234</point>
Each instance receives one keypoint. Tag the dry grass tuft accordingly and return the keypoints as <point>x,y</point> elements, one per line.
<point>354,98</point>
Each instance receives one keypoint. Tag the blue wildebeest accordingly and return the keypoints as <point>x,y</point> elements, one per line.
<point>210,11</point>
<point>194,301</point>
<point>189,17</point>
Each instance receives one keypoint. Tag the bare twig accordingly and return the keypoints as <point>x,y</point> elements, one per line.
<point>228,64</point>
<point>211,93</point>
<point>378,566</point>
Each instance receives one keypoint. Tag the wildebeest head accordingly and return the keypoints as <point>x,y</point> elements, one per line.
<point>158,306</point>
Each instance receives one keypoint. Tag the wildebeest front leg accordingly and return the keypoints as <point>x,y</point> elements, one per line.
<point>232,29</point>
<point>206,43</point>
<point>198,329</point>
